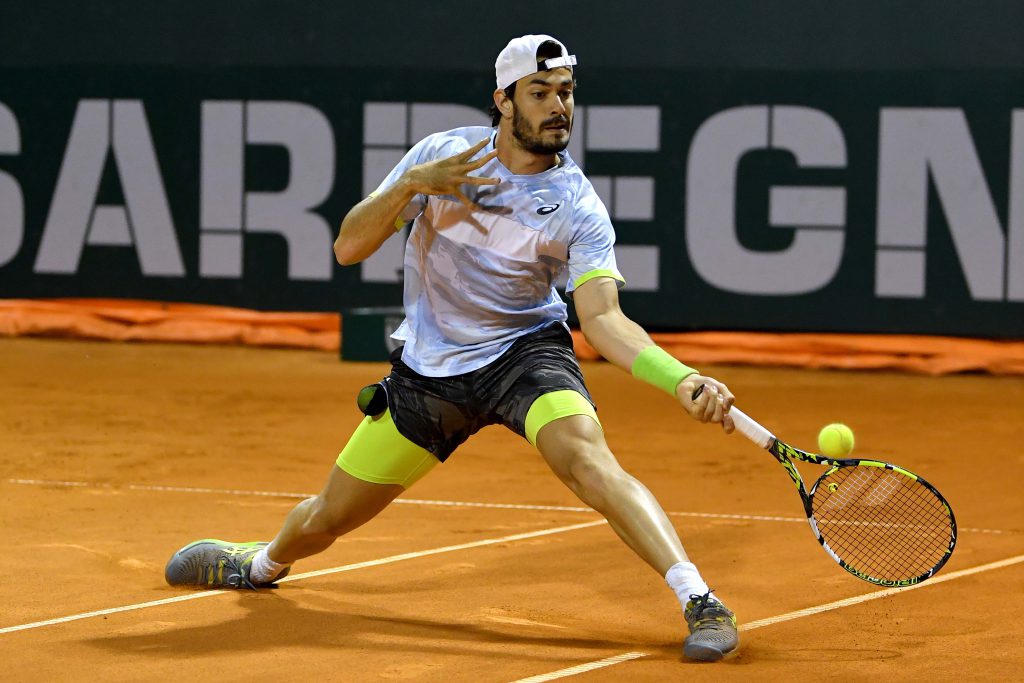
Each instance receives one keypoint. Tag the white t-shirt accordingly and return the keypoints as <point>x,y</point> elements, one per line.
<point>475,281</point>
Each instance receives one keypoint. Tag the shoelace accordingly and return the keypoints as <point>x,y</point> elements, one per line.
<point>702,603</point>
<point>237,577</point>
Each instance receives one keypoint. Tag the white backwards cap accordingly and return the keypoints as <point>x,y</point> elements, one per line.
<point>519,59</point>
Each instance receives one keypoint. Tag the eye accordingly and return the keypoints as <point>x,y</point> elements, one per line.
<point>538,95</point>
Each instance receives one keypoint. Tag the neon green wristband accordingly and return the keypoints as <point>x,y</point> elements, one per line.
<point>656,366</point>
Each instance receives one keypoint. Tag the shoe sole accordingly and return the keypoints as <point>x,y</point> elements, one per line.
<point>703,653</point>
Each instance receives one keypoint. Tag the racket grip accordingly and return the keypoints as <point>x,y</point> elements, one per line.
<point>746,426</point>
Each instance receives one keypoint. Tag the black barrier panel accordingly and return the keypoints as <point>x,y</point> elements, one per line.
<point>876,202</point>
<point>412,34</point>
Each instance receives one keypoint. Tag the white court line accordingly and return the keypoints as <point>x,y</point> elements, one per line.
<point>415,501</point>
<point>296,577</point>
<point>943,578</point>
<point>397,558</point>
<point>583,668</point>
<point>788,616</point>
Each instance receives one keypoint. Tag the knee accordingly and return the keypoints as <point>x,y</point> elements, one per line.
<point>595,476</point>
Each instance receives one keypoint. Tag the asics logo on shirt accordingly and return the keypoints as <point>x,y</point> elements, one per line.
<point>545,210</point>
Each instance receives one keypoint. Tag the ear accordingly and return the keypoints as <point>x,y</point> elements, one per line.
<point>503,102</point>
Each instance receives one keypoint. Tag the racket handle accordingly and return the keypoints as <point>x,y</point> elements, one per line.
<point>746,426</point>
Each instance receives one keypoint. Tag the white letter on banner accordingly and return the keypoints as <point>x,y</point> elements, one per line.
<point>75,194</point>
<point>221,177</point>
<point>144,194</point>
<point>307,135</point>
<point>74,218</point>
<point>913,144</point>
<point>1015,244</point>
<point>815,214</point>
<point>12,202</point>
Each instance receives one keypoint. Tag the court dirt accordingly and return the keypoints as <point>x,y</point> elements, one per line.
<point>116,454</point>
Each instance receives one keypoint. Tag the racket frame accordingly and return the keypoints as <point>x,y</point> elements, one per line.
<point>786,454</point>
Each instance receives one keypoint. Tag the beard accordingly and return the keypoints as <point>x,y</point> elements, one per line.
<point>532,140</point>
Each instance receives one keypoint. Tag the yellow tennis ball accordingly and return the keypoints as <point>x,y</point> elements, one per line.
<point>835,440</point>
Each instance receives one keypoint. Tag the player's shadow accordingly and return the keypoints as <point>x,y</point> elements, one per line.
<point>274,622</point>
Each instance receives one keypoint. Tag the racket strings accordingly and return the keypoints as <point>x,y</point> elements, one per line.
<point>881,522</point>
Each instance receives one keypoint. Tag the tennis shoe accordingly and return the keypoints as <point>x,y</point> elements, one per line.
<point>210,563</point>
<point>713,631</point>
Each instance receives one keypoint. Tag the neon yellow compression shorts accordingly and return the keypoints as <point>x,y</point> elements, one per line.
<point>378,453</point>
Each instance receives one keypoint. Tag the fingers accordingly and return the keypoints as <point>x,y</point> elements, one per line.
<point>709,401</point>
<point>689,391</point>
<point>460,170</point>
<point>468,154</point>
<point>727,398</point>
<point>473,165</point>
<point>465,200</point>
<point>712,404</point>
<point>703,399</point>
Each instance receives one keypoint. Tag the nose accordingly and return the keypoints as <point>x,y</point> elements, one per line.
<point>559,106</point>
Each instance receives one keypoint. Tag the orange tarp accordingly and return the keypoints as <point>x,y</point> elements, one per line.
<point>131,320</point>
<point>912,353</point>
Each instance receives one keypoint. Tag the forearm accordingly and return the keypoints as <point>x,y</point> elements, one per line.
<point>627,345</point>
<point>617,338</point>
<point>370,222</point>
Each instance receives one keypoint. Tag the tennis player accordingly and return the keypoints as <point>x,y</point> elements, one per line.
<point>498,214</point>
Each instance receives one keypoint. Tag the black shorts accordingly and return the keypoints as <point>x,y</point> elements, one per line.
<point>439,413</point>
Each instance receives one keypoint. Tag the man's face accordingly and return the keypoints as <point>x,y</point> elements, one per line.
<point>542,111</point>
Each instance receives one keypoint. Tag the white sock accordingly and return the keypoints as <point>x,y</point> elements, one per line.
<point>264,569</point>
<point>685,580</point>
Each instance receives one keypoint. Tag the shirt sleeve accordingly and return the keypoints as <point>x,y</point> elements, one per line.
<point>591,251</point>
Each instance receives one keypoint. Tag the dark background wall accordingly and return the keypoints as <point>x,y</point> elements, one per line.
<point>445,36</point>
<point>782,165</point>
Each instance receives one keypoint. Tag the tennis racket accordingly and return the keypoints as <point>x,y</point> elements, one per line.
<point>880,522</point>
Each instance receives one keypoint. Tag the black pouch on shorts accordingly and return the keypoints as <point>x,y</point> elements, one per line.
<point>372,399</point>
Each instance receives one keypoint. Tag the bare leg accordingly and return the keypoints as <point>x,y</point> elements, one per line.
<point>575,449</point>
<point>345,503</point>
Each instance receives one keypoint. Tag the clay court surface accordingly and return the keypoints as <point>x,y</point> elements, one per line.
<point>114,455</point>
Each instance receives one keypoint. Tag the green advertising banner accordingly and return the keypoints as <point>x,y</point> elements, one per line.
<point>846,201</point>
